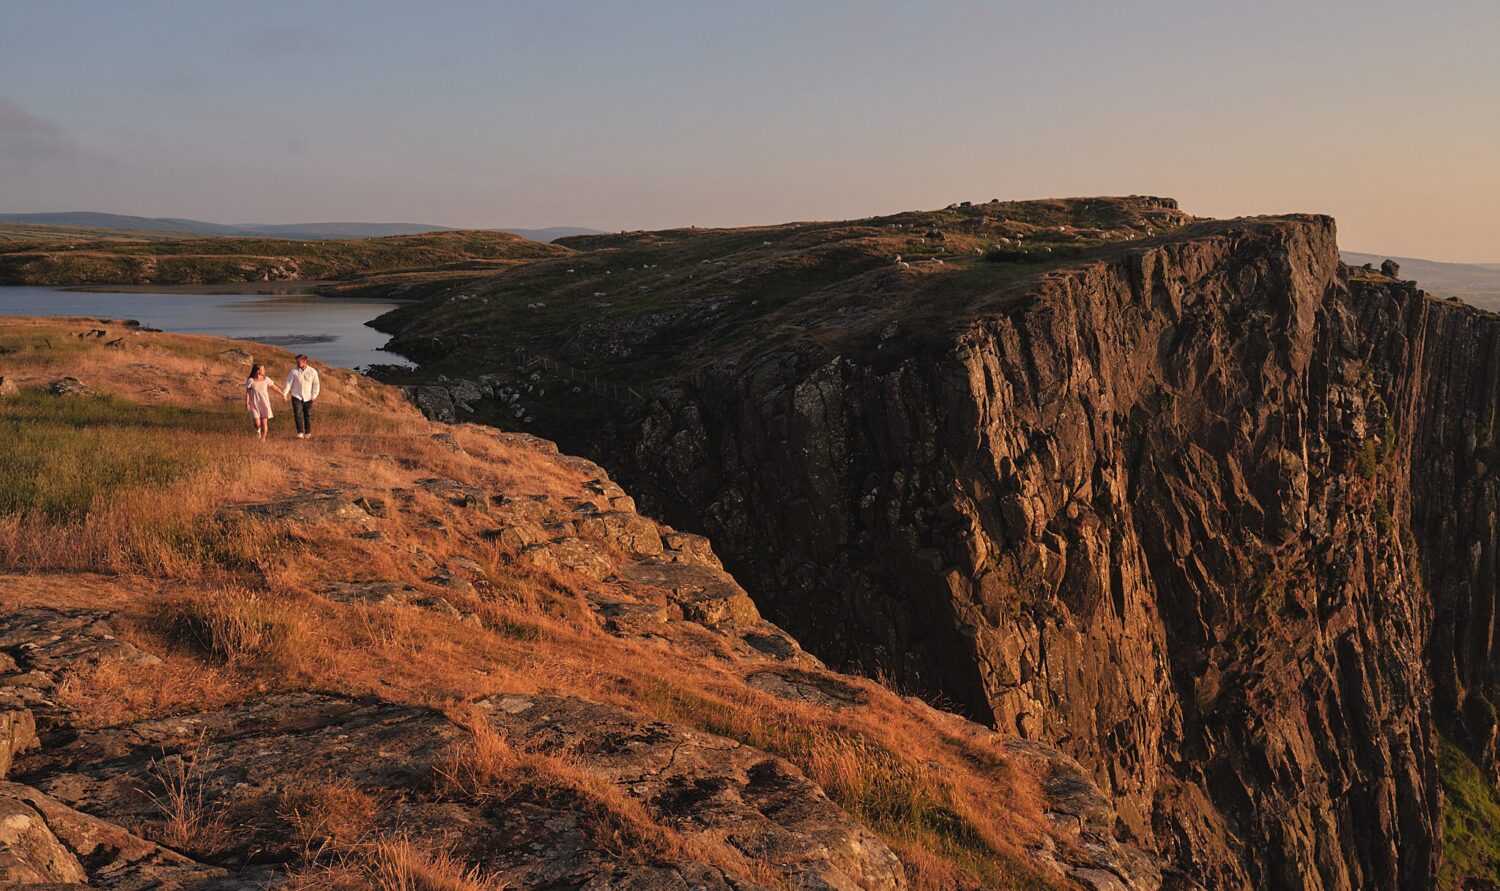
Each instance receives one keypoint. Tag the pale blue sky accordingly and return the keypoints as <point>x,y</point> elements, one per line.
<point>652,114</point>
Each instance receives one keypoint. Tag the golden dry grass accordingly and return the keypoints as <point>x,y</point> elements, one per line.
<point>392,864</point>
<point>234,608</point>
<point>188,820</point>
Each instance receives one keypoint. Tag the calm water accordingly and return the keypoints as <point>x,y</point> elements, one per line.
<point>329,329</point>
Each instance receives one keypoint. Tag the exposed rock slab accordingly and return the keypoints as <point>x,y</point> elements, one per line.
<point>698,783</point>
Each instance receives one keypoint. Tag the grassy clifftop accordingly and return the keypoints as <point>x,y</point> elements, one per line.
<point>492,641</point>
<point>642,307</point>
<point>400,260</point>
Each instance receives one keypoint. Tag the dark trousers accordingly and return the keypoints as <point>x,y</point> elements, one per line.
<point>302,414</point>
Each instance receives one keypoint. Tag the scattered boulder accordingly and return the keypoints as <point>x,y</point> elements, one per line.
<point>706,596</point>
<point>685,547</point>
<point>513,537</point>
<point>69,386</point>
<point>448,441</point>
<point>572,554</point>
<point>626,530</point>
<point>323,506</point>
<point>375,507</point>
<point>433,402</point>
<point>455,583</point>
<point>8,387</point>
<point>1390,268</point>
<point>464,392</point>
<point>443,399</point>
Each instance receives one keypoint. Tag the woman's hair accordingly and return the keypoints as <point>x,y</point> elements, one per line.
<point>255,369</point>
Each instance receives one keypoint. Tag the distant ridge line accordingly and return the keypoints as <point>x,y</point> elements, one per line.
<point>291,231</point>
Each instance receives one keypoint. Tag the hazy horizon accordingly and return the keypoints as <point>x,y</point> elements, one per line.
<point>677,114</point>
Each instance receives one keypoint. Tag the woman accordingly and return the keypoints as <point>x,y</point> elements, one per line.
<point>258,399</point>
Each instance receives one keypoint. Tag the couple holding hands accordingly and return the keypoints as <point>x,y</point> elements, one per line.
<point>301,388</point>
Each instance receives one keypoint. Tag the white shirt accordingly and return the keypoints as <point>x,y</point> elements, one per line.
<point>302,383</point>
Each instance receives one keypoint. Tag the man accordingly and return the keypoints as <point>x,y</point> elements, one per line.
<point>302,388</point>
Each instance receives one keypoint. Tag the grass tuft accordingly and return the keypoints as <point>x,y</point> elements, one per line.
<point>239,627</point>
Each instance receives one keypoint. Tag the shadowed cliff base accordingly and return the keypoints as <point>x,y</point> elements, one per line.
<point>1186,498</point>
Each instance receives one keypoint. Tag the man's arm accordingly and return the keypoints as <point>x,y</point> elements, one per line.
<point>317,383</point>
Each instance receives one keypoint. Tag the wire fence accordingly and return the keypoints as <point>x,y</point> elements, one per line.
<point>527,361</point>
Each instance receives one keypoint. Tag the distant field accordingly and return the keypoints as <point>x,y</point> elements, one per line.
<point>1477,284</point>
<point>84,258</point>
<point>111,224</point>
<point>36,232</point>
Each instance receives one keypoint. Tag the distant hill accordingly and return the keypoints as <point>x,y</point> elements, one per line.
<point>1477,284</point>
<point>91,220</point>
<point>295,231</point>
<point>306,231</point>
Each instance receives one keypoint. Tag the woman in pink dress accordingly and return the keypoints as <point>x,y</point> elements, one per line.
<point>258,399</point>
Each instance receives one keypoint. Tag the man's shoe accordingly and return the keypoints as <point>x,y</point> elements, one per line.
<point>301,435</point>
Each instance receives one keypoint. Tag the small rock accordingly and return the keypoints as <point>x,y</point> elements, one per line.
<point>69,386</point>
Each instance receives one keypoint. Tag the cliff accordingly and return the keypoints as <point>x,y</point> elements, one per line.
<point>412,655</point>
<point>1205,509</point>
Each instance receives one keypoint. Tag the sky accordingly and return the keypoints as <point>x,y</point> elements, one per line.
<point>655,114</point>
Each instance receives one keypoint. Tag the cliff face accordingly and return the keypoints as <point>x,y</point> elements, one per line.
<point>1445,372</point>
<point>1149,515</point>
<point>1209,511</point>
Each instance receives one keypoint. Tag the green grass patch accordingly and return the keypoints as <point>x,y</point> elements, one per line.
<point>65,454</point>
<point>1471,821</point>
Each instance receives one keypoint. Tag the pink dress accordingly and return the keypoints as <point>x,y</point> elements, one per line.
<point>260,397</point>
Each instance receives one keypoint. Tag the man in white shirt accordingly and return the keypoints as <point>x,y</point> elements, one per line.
<point>302,388</point>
